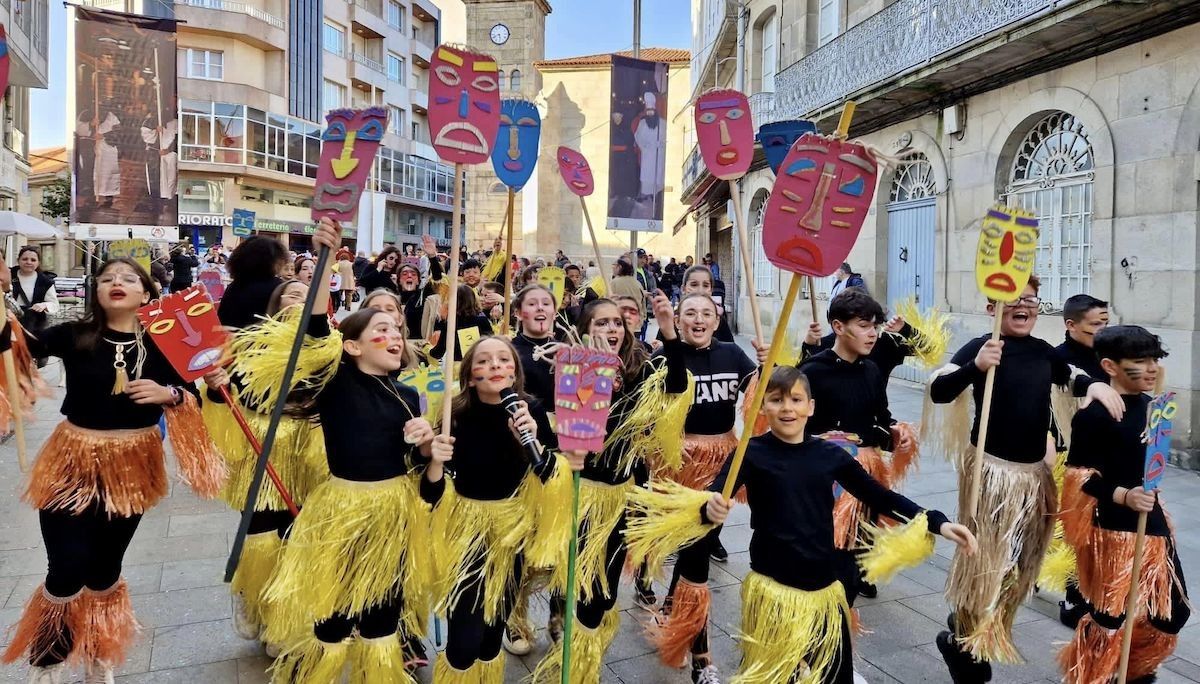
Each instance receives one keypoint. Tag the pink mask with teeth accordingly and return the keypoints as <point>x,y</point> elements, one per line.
<point>464,105</point>
<point>585,379</point>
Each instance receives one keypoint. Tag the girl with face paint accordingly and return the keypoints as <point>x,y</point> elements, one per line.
<point>503,512</point>
<point>355,555</point>
<point>99,471</point>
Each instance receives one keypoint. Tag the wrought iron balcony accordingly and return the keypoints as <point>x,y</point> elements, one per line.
<point>239,8</point>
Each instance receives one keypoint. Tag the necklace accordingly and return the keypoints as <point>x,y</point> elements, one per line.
<point>119,364</point>
<point>391,389</point>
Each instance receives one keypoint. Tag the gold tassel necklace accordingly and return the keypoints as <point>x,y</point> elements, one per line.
<point>120,365</point>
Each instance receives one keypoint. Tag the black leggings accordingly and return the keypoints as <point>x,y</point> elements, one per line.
<point>279,522</point>
<point>83,550</point>
<point>590,613</point>
<point>842,670</point>
<point>468,637</point>
<point>380,620</point>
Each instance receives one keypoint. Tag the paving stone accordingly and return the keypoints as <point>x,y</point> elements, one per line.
<point>198,643</point>
<point>202,523</point>
<point>206,572</point>
<point>894,627</point>
<point>224,672</point>
<point>186,606</point>
<point>253,670</point>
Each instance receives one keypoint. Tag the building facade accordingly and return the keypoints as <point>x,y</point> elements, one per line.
<point>255,81</point>
<point>514,32</point>
<point>575,91</point>
<point>28,27</point>
<point>1085,113</point>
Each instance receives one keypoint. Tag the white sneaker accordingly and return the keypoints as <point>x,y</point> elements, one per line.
<point>859,679</point>
<point>98,673</point>
<point>242,624</point>
<point>707,675</point>
<point>51,674</point>
<point>516,644</point>
<point>272,650</point>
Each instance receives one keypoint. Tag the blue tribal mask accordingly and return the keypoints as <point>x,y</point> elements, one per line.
<point>516,150</point>
<point>777,138</point>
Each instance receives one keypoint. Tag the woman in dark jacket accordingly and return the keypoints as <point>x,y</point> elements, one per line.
<point>33,290</point>
<point>183,259</point>
<point>253,267</point>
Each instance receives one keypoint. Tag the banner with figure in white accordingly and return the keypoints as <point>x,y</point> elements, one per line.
<point>637,164</point>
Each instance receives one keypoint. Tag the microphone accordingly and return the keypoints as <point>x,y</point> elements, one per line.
<point>509,399</point>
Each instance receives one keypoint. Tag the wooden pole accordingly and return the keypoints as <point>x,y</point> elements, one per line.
<point>13,390</point>
<point>760,392</point>
<point>508,255</point>
<point>812,298</point>
<point>595,245</point>
<point>747,263</point>
<point>1131,604</point>
<point>452,299</point>
<point>984,416</point>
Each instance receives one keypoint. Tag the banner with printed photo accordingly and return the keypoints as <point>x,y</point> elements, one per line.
<point>637,161</point>
<point>122,115</point>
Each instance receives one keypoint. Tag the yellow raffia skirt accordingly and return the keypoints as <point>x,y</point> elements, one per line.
<point>789,634</point>
<point>1015,521</point>
<point>355,545</point>
<point>477,541</point>
<point>298,456</point>
<point>601,506</point>
<point>1058,567</point>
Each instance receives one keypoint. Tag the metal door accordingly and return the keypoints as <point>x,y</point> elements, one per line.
<point>910,261</point>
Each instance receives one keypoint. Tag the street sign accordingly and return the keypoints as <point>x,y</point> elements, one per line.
<point>243,223</point>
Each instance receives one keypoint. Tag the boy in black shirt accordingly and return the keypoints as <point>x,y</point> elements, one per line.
<point>1102,499</point>
<point>1017,494</point>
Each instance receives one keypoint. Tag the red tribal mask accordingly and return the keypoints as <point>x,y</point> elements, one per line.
<point>821,196</point>
<point>584,381</point>
<point>185,328</point>
<point>575,171</point>
<point>348,146</point>
<point>725,133</point>
<point>464,105</point>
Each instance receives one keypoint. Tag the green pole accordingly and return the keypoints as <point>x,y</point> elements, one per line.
<point>572,590</point>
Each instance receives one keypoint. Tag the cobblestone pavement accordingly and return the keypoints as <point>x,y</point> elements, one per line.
<point>175,564</point>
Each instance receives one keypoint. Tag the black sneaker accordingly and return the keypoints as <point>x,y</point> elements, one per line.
<point>643,595</point>
<point>963,668</point>
<point>1071,614</point>
<point>718,552</point>
<point>867,590</point>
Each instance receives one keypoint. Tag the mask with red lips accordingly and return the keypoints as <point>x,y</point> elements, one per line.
<point>822,193</point>
<point>185,328</point>
<point>515,153</point>
<point>348,146</point>
<point>575,171</point>
<point>584,383</point>
<point>725,133</point>
<point>464,105</point>
<point>1004,259</point>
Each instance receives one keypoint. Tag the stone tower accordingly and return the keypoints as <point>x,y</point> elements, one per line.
<point>514,32</point>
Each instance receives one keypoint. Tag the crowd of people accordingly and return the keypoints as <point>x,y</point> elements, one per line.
<point>402,518</point>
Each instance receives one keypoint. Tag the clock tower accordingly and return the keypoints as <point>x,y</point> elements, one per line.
<point>514,32</point>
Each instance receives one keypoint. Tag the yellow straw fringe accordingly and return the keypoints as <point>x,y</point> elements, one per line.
<point>1058,567</point>
<point>259,556</point>
<point>587,653</point>
<point>662,520</point>
<point>378,660</point>
<point>548,504</point>
<point>600,508</point>
<point>653,430</point>
<point>311,660</point>
<point>1063,406</point>
<point>598,284</point>
<point>947,427</point>
<point>895,548</point>
<point>480,672</point>
<point>298,456</point>
<point>932,338</point>
<point>347,552</point>
<point>494,265</point>
<point>789,634</point>
<point>261,352</point>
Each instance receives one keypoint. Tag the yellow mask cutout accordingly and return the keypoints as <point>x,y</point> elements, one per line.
<point>1007,246</point>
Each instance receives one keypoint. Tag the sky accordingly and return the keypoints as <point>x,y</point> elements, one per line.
<point>574,27</point>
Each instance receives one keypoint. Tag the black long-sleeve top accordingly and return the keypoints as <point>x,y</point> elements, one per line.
<point>413,301</point>
<point>375,279</point>
<point>721,371</point>
<point>539,374</point>
<point>482,323</point>
<point>850,397</point>
<point>489,463</point>
<point>1115,450</point>
<point>182,265</point>
<point>1082,357</point>
<point>889,351</point>
<point>1021,411</point>
<point>603,467</point>
<point>789,488</point>
<point>245,302</point>
<point>89,401</point>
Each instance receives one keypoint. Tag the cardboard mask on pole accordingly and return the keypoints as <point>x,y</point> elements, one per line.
<point>725,133</point>
<point>348,146</point>
<point>138,250</point>
<point>464,104</point>
<point>583,387</point>
<point>575,172</point>
<point>429,383</point>
<point>777,138</point>
<point>1158,439</point>
<point>555,279</point>
<point>516,150</point>
<point>185,328</point>
<point>822,193</point>
<point>3,60</point>
<point>1007,247</point>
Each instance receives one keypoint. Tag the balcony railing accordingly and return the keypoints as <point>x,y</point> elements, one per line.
<point>238,7</point>
<point>369,63</point>
<point>373,6</point>
<point>693,166</point>
<point>904,35</point>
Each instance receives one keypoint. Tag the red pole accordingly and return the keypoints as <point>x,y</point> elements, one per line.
<point>257,446</point>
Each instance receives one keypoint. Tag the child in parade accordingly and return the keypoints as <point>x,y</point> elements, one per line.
<point>471,323</point>
<point>99,472</point>
<point>1102,499</point>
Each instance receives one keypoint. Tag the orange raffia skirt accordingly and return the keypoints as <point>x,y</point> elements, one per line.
<point>703,458</point>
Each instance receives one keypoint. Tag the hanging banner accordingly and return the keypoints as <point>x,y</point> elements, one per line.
<point>124,160</point>
<point>138,250</point>
<point>637,161</point>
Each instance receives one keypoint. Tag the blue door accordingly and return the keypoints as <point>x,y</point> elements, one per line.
<point>911,226</point>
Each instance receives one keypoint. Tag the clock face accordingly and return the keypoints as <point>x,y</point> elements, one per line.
<point>499,34</point>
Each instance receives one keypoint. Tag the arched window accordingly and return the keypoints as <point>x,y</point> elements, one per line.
<point>498,188</point>
<point>1052,176</point>
<point>500,79</point>
<point>765,273</point>
<point>514,81</point>
<point>914,179</point>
